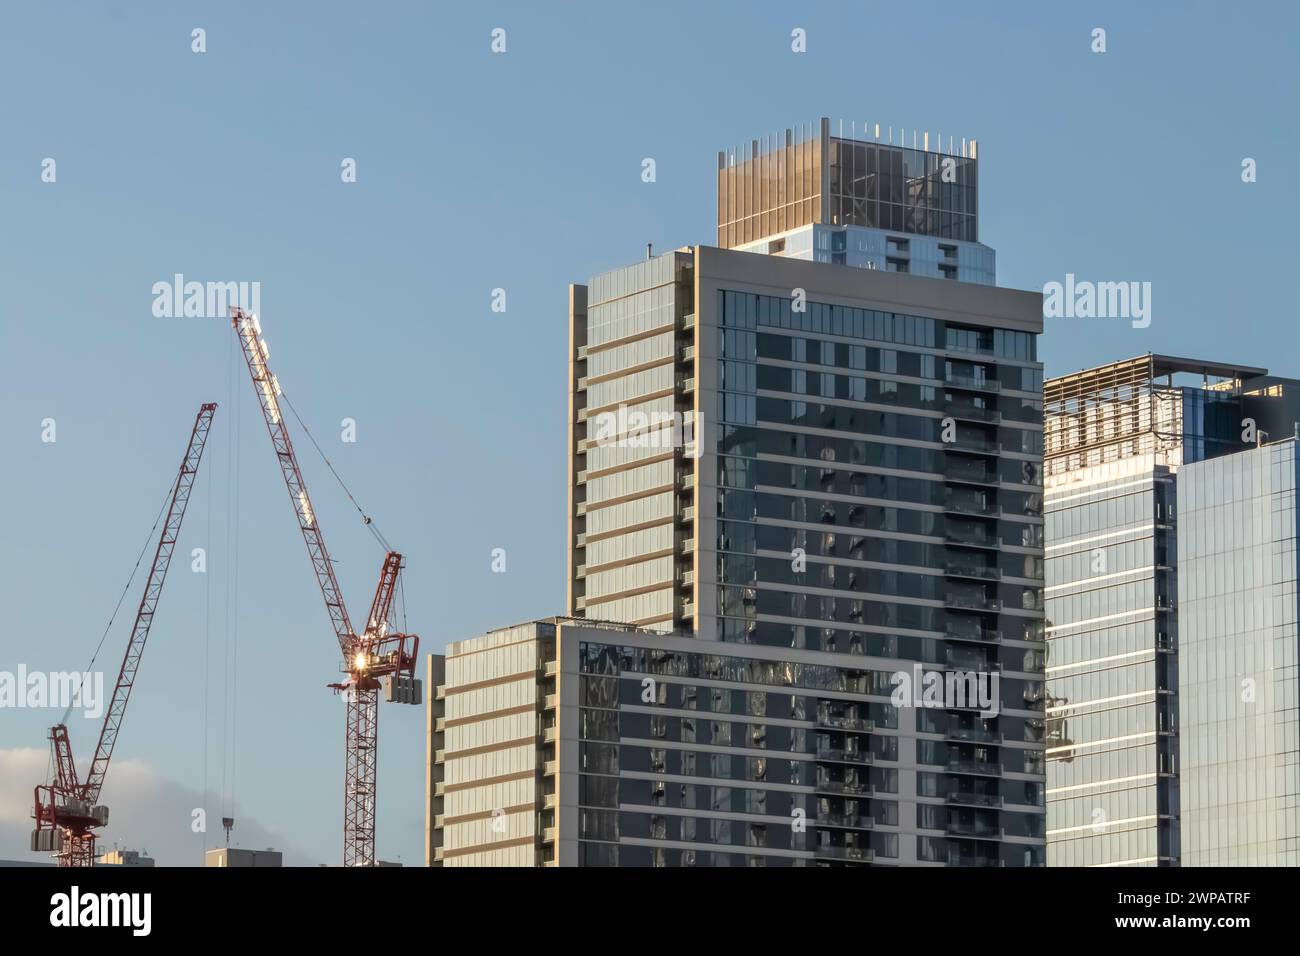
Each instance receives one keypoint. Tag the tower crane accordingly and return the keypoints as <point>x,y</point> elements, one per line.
<point>67,811</point>
<point>378,657</point>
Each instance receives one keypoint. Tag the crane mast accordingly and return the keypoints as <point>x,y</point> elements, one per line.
<point>369,657</point>
<point>67,811</point>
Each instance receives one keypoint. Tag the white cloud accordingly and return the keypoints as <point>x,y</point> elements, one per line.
<point>146,812</point>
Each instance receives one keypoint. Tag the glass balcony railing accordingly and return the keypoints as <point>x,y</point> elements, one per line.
<point>981,768</point>
<point>981,446</point>
<point>972,602</point>
<point>973,799</point>
<point>973,831</point>
<point>971,505</point>
<point>965,569</point>
<point>976,635</point>
<point>853,853</point>
<point>840,755</point>
<point>971,413</point>
<point>973,382</point>
<point>971,539</point>
<point>976,735</point>
<point>839,786</point>
<point>845,821</point>
<point>837,722</point>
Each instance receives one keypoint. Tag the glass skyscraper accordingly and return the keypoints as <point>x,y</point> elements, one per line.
<point>791,453</point>
<point>1124,442</point>
<point>1238,697</point>
<point>805,543</point>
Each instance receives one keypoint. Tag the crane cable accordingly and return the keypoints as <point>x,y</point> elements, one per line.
<point>374,529</point>
<point>122,597</point>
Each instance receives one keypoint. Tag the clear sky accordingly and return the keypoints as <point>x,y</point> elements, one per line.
<point>477,171</point>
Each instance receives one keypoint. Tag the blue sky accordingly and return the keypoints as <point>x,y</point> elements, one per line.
<point>478,171</point>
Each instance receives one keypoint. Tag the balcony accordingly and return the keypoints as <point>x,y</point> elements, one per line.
<point>972,735</point>
<point>687,354</point>
<point>976,446</point>
<point>686,480</point>
<point>972,383</point>
<point>686,513</point>
<point>549,735</point>
<point>550,768</point>
<point>963,539</point>
<point>550,668</point>
<point>833,722</point>
<point>967,659</point>
<point>853,854</point>
<point>973,831</point>
<point>550,801</point>
<point>992,800</point>
<point>549,834</point>
<point>549,701</point>
<point>972,602</point>
<point>960,470</point>
<point>975,507</point>
<point>686,385</point>
<point>686,579</point>
<point>845,822</point>
<point>977,768</point>
<point>686,610</point>
<point>971,413</point>
<point>963,569</point>
<point>687,321</point>
<point>848,789</point>
<point>973,635</point>
<point>840,755</point>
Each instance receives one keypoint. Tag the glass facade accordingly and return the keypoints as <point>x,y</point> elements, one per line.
<point>1144,477</point>
<point>1112,680</point>
<point>1238,694</point>
<point>902,190</point>
<point>878,496</point>
<point>708,758</point>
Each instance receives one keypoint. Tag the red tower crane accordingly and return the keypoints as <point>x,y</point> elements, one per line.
<point>68,811</point>
<point>374,658</point>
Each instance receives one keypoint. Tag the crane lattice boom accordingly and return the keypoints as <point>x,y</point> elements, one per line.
<point>67,811</point>
<point>368,657</point>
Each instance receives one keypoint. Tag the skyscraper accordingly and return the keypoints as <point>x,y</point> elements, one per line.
<point>1126,444</point>
<point>787,458</point>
